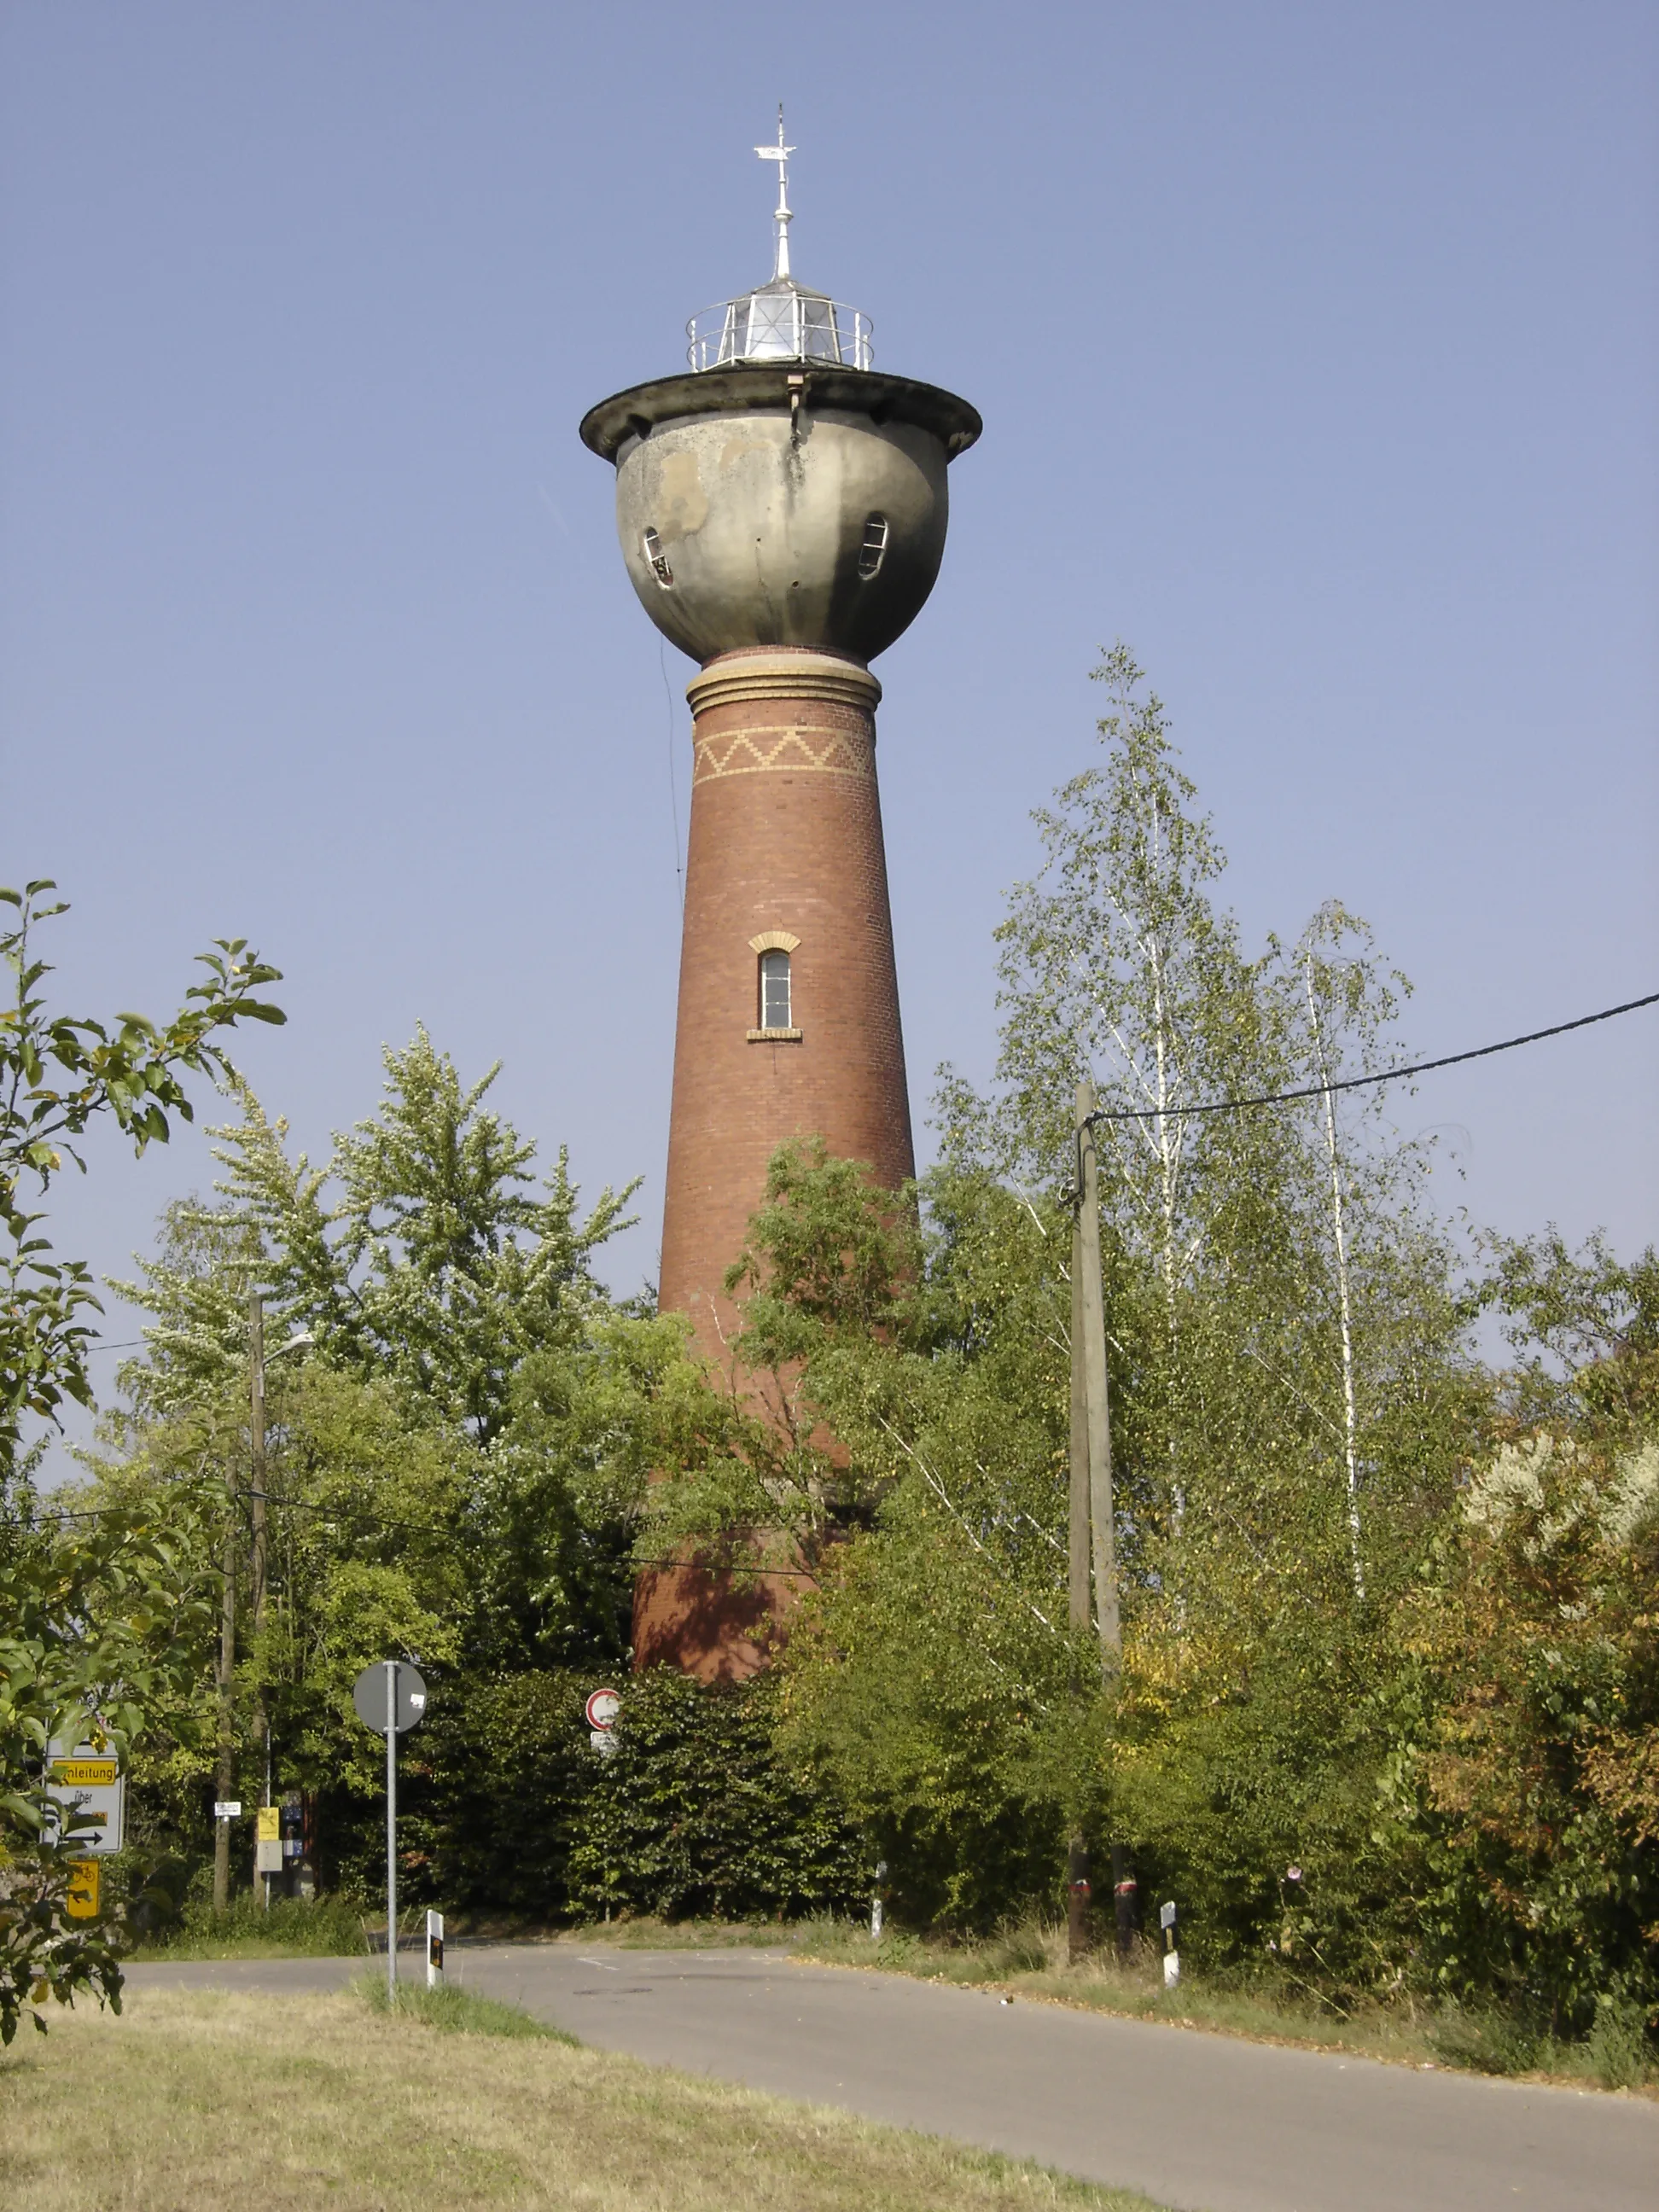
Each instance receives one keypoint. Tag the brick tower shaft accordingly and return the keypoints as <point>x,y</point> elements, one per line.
<point>788,1003</point>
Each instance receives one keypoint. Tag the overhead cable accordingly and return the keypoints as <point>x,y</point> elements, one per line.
<point>1360,1081</point>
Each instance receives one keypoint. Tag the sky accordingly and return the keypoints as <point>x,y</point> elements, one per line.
<point>1317,349</point>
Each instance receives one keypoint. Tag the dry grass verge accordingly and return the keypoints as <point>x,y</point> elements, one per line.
<point>1031,1962</point>
<point>192,2099</point>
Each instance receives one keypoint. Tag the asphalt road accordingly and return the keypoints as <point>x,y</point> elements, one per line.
<point>1203,2121</point>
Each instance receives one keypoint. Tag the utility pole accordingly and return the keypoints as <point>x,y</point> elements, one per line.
<point>256,1361</point>
<point>1094,1375</point>
<point>226,1766</point>
<point>1093,1509</point>
<point>1077,1855</point>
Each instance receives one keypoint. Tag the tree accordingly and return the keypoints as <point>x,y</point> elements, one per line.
<point>1290,1394</point>
<point>455,1455</point>
<point>103,1620</point>
<point>96,1621</point>
<point>58,1074</point>
<point>458,1272</point>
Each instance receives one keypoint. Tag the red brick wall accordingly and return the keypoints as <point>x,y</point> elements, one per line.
<point>785,834</point>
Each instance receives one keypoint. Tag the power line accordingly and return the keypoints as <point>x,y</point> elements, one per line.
<point>1359,1082</point>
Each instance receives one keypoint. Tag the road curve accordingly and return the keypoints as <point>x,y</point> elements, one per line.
<point>1206,2123</point>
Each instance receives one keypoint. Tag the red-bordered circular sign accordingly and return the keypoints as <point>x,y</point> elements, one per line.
<point>603,1707</point>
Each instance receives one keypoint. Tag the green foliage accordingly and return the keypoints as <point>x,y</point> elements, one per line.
<point>58,1074</point>
<point>1531,1785</point>
<point>460,1274</point>
<point>495,1784</point>
<point>315,1928</point>
<point>693,1816</point>
<point>99,1629</point>
<point>459,1424</point>
<point>456,2011</point>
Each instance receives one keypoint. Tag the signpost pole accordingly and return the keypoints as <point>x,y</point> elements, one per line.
<point>392,1831</point>
<point>388,1695</point>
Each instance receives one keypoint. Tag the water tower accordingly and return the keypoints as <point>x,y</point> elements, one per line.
<point>781,506</point>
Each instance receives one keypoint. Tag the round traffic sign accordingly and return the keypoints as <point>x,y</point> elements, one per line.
<point>603,1707</point>
<point>393,1684</point>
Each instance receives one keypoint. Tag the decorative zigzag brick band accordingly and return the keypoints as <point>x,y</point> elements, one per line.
<point>802,746</point>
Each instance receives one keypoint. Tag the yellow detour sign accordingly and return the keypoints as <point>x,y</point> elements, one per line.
<point>88,1783</point>
<point>81,1901</point>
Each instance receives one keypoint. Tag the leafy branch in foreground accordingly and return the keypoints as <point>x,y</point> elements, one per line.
<point>59,1073</point>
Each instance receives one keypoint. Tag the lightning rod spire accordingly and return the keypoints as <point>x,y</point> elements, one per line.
<point>780,214</point>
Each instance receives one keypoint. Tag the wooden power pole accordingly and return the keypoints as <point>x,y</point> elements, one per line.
<point>226,1769</point>
<point>1077,1565</point>
<point>1101,1513</point>
<point>257,1549</point>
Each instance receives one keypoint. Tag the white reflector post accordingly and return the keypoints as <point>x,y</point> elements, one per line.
<point>434,1950</point>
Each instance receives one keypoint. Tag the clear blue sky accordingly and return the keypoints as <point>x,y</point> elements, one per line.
<point>1317,350</point>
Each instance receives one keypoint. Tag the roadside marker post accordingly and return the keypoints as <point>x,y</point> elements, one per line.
<point>878,1903</point>
<point>434,1950</point>
<point>1166,1921</point>
<point>391,1699</point>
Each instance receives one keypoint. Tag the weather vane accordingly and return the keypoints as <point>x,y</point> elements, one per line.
<point>780,214</point>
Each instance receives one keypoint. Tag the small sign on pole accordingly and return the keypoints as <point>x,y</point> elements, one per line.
<point>81,1901</point>
<point>268,1840</point>
<point>391,1699</point>
<point>227,1809</point>
<point>434,1950</point>
<point>603,1708</point>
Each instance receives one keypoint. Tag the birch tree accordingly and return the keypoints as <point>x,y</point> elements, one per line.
<point>1117,962</point>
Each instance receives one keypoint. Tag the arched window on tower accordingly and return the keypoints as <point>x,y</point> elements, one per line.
<point>775,990</point>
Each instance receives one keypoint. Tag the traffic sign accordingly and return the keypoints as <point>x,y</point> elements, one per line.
<point>81,1899</point>
<point>267,1839</point>
<point>369,1693</point>
<point>227,1809</point>
<point>88,1783</point>
<point>603,1708</point>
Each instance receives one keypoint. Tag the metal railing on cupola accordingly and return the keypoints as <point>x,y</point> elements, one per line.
<point>781,320</point>
<point>782,325</point>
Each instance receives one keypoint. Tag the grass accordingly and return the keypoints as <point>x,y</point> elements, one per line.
<point>456,2011</point>
<point>192,2097</point>
<point>1031,1961</point>
<point>294,1927</point>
